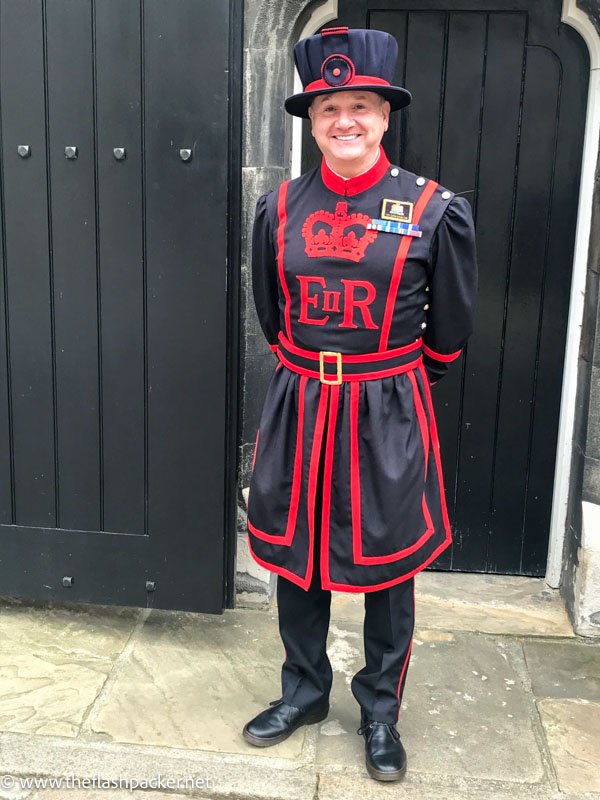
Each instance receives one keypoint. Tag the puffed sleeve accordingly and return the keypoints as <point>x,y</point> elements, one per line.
<point>264,272</point>
<point>452,289</point>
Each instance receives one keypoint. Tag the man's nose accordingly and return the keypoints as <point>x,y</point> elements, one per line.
<point>345,120</point>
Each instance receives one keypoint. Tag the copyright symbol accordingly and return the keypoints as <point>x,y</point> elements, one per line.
<point>7,781</point>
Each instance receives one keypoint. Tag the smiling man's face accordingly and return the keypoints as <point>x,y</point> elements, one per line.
<point>348,127</point>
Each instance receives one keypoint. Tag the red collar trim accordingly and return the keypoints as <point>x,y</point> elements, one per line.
<point>360,183</point>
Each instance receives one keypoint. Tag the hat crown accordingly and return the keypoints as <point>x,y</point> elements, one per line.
<point>370,52</point>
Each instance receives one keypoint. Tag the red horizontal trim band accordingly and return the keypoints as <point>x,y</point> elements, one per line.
<point>330,31</point>
<point>358,80</point>
<point>273,348</point>
<point>440,356</point>
<point>359,376</point>
<point>351,358</point>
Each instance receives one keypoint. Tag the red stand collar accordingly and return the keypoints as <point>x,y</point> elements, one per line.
<point>360,183</point>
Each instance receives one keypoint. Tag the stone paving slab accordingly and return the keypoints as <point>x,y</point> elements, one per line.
<point>466,709</point>
<point>54,662</point>
<point>573,732</point>
<point>564,669</point>
<point>193,680</point>
<point>231,775</point>
<point>347,787</point>
<point>498,604</point>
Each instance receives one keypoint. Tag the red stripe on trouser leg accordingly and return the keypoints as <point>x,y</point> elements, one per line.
<point>388,633</point>
<point>402,680</point>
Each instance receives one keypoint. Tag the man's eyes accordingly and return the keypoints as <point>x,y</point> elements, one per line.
<point>332,109</point>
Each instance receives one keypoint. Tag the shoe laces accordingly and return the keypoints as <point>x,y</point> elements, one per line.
<point>369,727</point>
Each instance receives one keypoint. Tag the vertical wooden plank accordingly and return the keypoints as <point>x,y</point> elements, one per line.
<point>27,268</point>
<point>122,263</point>
<point>495,198</point>
<point>525,291</point>
<point>6,472</point>
<point>395,23</point>
<point>557,286</point>
<point>459,158</point>
<point>72,186</point>
<point>186,210</point>
<point>425,67</point>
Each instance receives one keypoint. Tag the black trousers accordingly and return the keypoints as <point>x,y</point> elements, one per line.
<point>306,674</point>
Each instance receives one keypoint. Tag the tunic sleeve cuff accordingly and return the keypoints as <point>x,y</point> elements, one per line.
<point>445,358</point>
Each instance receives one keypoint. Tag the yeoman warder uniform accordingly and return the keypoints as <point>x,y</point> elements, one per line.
<point>365,289</point>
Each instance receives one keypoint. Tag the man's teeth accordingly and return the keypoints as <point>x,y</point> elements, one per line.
<point>347,138</point>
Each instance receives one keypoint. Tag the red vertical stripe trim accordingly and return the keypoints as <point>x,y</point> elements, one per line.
<point>327,474</point>
<point>436,452</point>
<point>282,217</point>
<point>399,262</point>
<point>355,474</point>
<point>421,417</point>
<point>287,539</point>
<point>297,479</point>
<point>357,550</point>
<point>312,479</point>
<point>409,651</point>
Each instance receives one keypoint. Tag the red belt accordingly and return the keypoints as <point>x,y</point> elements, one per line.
<point>332,368</point>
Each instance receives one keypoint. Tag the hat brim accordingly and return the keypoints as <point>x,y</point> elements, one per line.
<point>297,105</point>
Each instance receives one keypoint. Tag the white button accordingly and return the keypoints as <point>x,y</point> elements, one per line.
<point>395,172</point>
<point>420,181</point>
<point>423,325</point>
<point>446,195</point>
<point>427,288</point>
<point>426,307</point>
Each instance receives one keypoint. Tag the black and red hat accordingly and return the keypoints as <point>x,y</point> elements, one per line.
<point>339,59</point>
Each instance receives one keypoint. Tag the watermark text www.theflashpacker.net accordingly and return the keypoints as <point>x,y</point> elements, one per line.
<point>97,782</point>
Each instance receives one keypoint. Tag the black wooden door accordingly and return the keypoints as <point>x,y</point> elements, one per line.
<point>113,305</point>
<point>499,97</point>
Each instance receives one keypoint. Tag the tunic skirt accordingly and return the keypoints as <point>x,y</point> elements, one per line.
<point>362,316</point>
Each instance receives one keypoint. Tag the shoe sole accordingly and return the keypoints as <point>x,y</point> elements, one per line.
<point>378,775</point>
<point>311,719</point>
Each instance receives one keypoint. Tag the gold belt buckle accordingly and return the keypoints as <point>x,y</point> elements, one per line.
<point>338,363</point>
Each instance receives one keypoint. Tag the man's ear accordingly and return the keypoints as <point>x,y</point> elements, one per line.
<point>386,113</point>
<point>310,116</point>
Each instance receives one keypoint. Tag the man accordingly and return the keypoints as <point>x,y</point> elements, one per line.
<point>364,281</point>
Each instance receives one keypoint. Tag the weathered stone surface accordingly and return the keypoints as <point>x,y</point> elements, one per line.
<point>193,680</point>
<point>591,480</point>
<point>253,582</point>
<point>486,603</point>
<point>234,777</point>
<point>590,321</point>
<point>53,663</point>
<point>564,669</point>
<point>265,78</point>
<point>466,712</point>
<point>348,786</point>
<point>593,431</point>
<point>573,732</point>
<point>586,589</point>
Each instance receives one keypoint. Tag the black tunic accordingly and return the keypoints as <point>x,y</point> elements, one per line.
<point>323,281</point>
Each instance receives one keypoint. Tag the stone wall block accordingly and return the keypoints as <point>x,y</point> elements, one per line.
<point>591,480</point>
<point>593,429</point>
<point>264,142</point>
<point>586,607</point>
<point>589,347</point>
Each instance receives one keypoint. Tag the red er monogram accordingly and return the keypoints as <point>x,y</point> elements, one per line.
<point>356,295</point>
<point>340,241</point>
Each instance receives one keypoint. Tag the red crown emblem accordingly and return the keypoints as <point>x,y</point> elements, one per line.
<point>338,238</point>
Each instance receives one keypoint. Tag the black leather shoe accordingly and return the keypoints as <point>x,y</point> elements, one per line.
<point>280,720</point>
<point>385,756</point>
